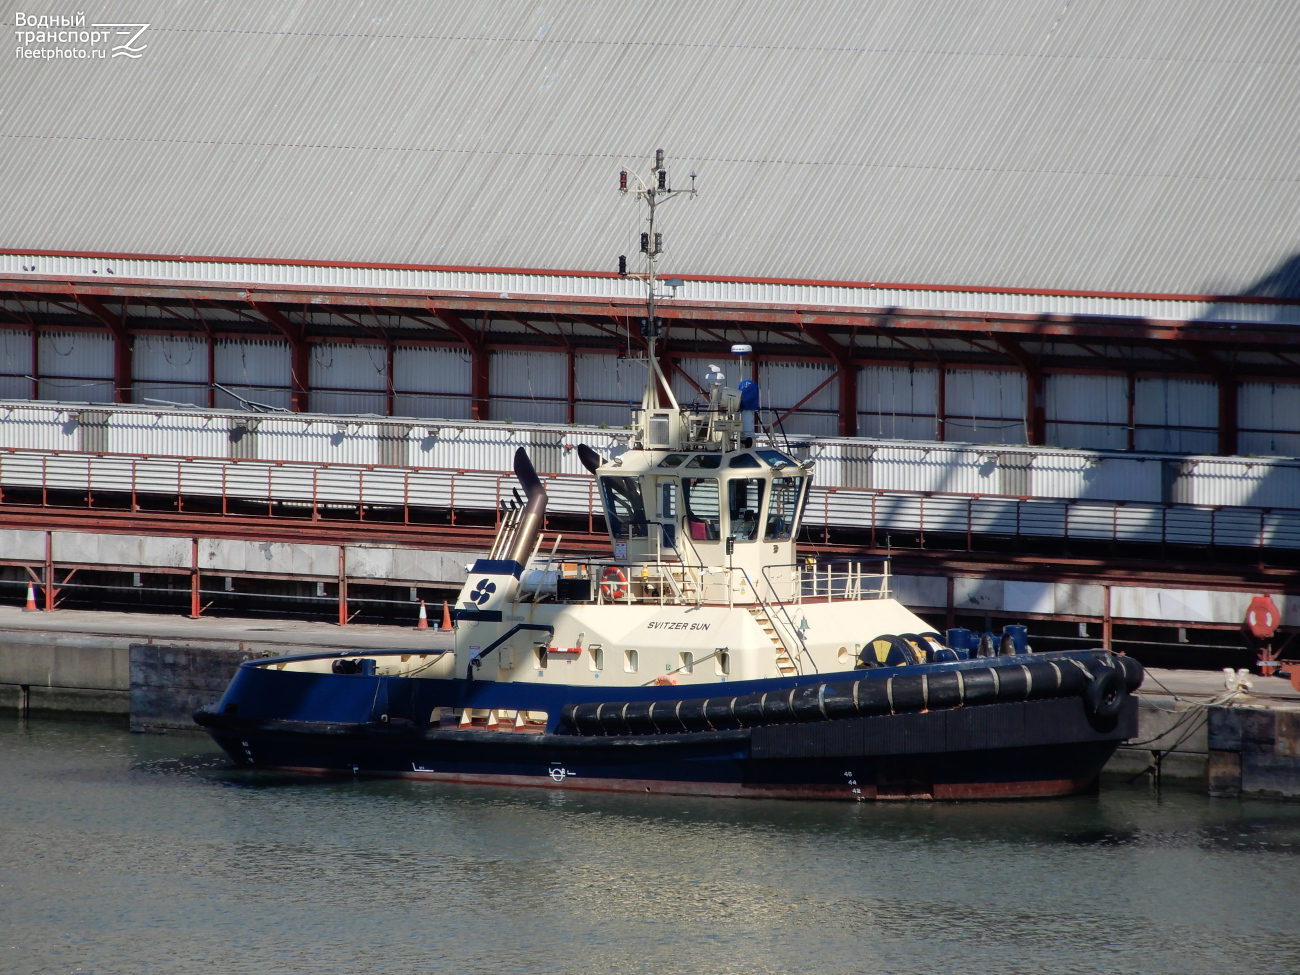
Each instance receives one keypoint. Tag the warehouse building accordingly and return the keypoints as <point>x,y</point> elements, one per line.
<point>1023,280</point>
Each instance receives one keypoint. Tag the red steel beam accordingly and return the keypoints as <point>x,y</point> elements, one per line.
<point>1035,404</point>
<point>1045,326</point>
<point>299,353</point>
<point>116,325</point>
<point>1028,566</point>
<point>1227,387</point>
<point>847,371</point>
<point>480,360</point>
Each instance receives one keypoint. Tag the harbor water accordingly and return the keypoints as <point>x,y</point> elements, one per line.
<point>123,852</point>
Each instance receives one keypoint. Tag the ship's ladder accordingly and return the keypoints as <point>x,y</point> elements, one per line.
<point>784,662</point>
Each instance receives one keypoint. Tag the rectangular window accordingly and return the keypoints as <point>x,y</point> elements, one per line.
<point>688,663</point>
<point>597,657</point>
<point>783,509</point>
<point>668,498</point>
<point>624,507</point>
<point>722,663</point>
<point>700,495</point>
<point>631,661</point>
<point>745,505</point>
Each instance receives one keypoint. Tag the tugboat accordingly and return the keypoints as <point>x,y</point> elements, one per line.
<point>701,657</point>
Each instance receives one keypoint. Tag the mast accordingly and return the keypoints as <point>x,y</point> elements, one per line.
<point>654,193</point>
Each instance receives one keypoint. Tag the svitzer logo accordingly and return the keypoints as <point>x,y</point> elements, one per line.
<point>58,38</point>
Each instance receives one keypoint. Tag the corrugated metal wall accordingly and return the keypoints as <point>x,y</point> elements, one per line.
<point>80,365</point>
<point>1091,412</point>
<point>173,368</point>
<point>168,434</point>
<point>697,369</point>
<point>256,369</point>
<point>604,387</point>
<point>1087,411</point>
<point>781,385</point>
<point>1268,419</point>
<point>432,382</point>
<point>898,402</point>
<point>1175,415</point>
<point>985,406</point>
<point>530,387</point>
<point>348,378</point>
<point>15,364</point>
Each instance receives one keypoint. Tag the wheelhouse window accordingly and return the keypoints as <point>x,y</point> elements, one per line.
<point>700,495</point>
<point>744,460</point>
<point>668,512</point>
<point>672,460</point>
<point>775,458</point>
<point>624,507</point>
<point>708,462</point>
<point>745,507</point>
<point>783,508</point>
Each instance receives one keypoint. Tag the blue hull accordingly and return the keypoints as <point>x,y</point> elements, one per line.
<point>364,725</point>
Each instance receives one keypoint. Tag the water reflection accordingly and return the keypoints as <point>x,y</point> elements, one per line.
<point>121,851</point>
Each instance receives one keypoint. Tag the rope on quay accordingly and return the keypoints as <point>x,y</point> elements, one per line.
<point>1235,684</point>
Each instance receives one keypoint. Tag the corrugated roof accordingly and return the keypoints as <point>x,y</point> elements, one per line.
<point>1092,144</point>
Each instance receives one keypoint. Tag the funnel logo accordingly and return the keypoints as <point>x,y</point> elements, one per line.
<point>483,591</point>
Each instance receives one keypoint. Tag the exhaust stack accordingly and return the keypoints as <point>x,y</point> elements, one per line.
<point>534,513</point>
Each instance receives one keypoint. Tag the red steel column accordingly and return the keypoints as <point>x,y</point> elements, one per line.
<point>49,571</point>
<point>343,586</point>
<point>196,607</point>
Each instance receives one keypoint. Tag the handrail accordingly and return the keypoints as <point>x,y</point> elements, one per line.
<point>1248,527</point>
<point>803,644</point>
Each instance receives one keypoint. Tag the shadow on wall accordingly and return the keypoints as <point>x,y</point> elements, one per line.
<point>1268,412</point>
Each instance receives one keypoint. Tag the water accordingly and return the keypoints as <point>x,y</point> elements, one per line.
<point>123,852</point>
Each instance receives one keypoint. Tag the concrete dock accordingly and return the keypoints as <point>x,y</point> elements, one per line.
<point>1177,717</point>
<point>77,662</point>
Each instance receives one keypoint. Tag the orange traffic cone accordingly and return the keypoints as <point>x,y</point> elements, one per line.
<point>446,616</point>
<point>31,600</point>
<point>424,618</point>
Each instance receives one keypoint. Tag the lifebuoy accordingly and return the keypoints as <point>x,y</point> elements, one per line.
<point>613,583</point>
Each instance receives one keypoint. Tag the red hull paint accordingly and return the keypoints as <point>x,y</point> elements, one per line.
<point>1047,788</point>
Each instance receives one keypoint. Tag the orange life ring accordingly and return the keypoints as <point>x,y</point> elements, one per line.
<point>613,583</point>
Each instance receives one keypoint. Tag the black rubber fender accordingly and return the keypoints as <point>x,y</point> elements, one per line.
<point>979,685</point>
<point>582,718</point>
<point>837,701</point>
<point>776,705</point>
<point>1103,698</point>
<point>1046,679</point>
<point>748,710</point>
<point>610,716</point>
<point>806,703</point>
<point>663,715</point>
<point>1134,672</point>
<point>637,717</point>
<point>1013,683</point>
<point>943,690</point>
<point>691,714</point>
<point>717,714</point>
<point>872,696</point>
<point>907,692</point>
